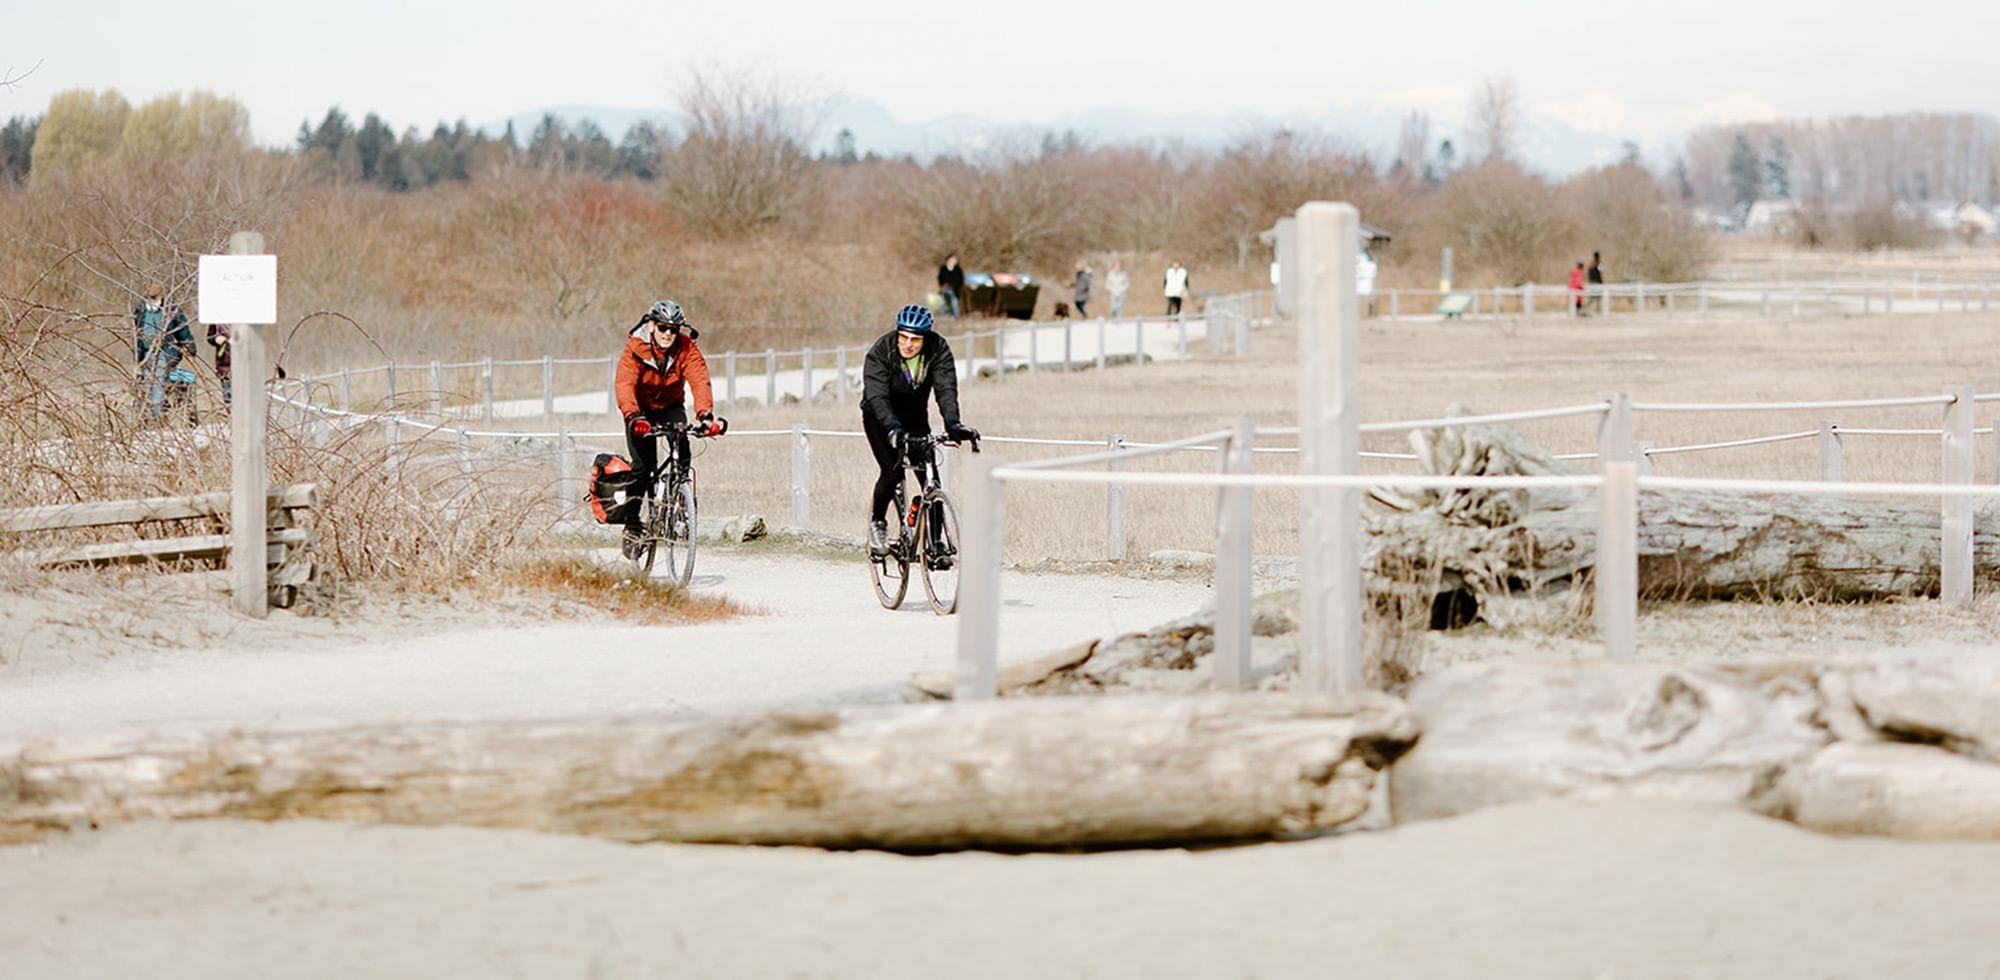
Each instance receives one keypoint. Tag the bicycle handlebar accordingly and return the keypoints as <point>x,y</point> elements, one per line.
<point>697,430</point>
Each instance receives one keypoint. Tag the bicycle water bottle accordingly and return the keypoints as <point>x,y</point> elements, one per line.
<point>912,522</point>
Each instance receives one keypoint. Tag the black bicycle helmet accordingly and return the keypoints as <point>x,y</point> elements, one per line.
<point>915,319</point>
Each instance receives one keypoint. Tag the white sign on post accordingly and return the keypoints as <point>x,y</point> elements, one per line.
<point>237,289</point>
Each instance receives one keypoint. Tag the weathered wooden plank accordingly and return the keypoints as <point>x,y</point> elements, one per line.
<point>1028,773</point>
<point>201,547</point>
<point>55,517</point>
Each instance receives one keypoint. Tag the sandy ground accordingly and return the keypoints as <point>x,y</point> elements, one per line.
<point>1540,890</point>
<point>817,637</point>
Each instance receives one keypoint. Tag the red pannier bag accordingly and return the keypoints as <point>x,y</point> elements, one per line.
<point>614,489</point>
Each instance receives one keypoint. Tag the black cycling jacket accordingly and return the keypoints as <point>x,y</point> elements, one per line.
<point>888,397</point>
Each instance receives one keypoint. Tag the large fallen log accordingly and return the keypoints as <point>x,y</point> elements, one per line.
<point>1506,733</point>
<point>1897,745</point>
<point>1046,773</point>
<point>1692,544</point>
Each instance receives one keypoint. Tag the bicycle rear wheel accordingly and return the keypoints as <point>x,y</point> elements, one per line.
<point>678,531</point>
<point>891,575</point>
<point>937,543</point>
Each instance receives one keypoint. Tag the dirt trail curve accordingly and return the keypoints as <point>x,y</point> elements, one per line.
<point>818,637</point>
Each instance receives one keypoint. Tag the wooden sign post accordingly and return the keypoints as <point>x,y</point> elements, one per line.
<point>240,290</point>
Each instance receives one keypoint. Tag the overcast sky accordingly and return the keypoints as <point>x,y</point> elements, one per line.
<point>1643,70</point>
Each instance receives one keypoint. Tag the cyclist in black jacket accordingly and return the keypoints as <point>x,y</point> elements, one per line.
<point>898,377</point>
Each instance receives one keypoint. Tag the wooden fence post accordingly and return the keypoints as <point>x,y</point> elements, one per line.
<point>1235,517</point>
<point>1329,444</point>
<point>437,389</point>
<point>346,390</point>
<point>1114,506</point>
<point>770,378</point>
<point>566,494</point>
<point>1831,464</point>
<point>983,535</point>
<point>1101,344</point>
<point>1955,554</point>
<point>548,386</point>
<point>729,378</point>
<point>249,373</point>
<point>611,384</point>
<point>1614,432</point>
<point>486,388</point>
<point>389,376</point>
<point>801,478</point>
<point>1617,570</point>
<point>840,373</point>
<point>806,386</point>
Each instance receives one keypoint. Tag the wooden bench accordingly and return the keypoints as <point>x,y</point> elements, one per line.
<point>290,540</point>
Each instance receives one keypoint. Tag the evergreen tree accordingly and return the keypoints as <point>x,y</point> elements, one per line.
<point>639,152</point>
<point>1746,172</point>
<point>1682,185</point>
<point>843,148</point>
<point>17,148</point>
<point>1778,170</point>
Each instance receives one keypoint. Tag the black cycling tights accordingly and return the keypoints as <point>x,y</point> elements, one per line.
<point>890,464</point>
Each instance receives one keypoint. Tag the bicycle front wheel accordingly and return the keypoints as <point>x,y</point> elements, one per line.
<point>937,541</point>
<point>680,529</point>
<point>651,521</point>
<point>891,575</point>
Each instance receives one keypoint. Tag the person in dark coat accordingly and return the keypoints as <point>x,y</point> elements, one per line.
<point>904,369</point>
<point>951,283</point>
<point>160,338</point>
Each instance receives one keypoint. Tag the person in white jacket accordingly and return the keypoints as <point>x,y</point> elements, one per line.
<point>1116,285</point>
<point>1176,287</point>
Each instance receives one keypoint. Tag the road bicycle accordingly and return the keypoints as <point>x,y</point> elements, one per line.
<point>925,534</point>
<point>667,511</point>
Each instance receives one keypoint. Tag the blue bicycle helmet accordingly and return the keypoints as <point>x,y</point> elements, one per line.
<point>915,319</point>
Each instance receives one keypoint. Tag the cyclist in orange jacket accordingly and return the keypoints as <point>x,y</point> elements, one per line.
<point>660,362</point>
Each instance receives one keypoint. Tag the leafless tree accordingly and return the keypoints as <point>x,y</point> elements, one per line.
<point>1413,146</point>
<point>8,79</point>
<point>1496,118</point>
<point>742,167</point>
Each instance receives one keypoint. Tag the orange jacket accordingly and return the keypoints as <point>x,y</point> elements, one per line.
<point>648,383</point>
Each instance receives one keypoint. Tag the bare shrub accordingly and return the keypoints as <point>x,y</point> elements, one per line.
<point>1624,208</point>
<point>1008,211</point>
<point>742,167</point>
<point>1508,222</point>
<point>1881,225</point>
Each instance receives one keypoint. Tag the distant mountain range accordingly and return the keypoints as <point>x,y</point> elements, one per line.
<point>1548,145</point>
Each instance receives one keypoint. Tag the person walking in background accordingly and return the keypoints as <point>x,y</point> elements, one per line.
<point>160,339</point>
<point>951,283</point>
<point>1595,275</point>
<point>1576,290</point>
<point>1364,279</point>
<point>1080,290</point>
<point>1117,284</point>
<point>1176,287</point>
<point>218,338</point>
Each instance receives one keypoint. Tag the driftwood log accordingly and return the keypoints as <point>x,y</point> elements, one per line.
<point>1045,773</point>
<point>1692,544</point>
<point>1900,746</point>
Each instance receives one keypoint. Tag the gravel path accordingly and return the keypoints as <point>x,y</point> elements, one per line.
<point>818,637</point>
<point>1615,891</point>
